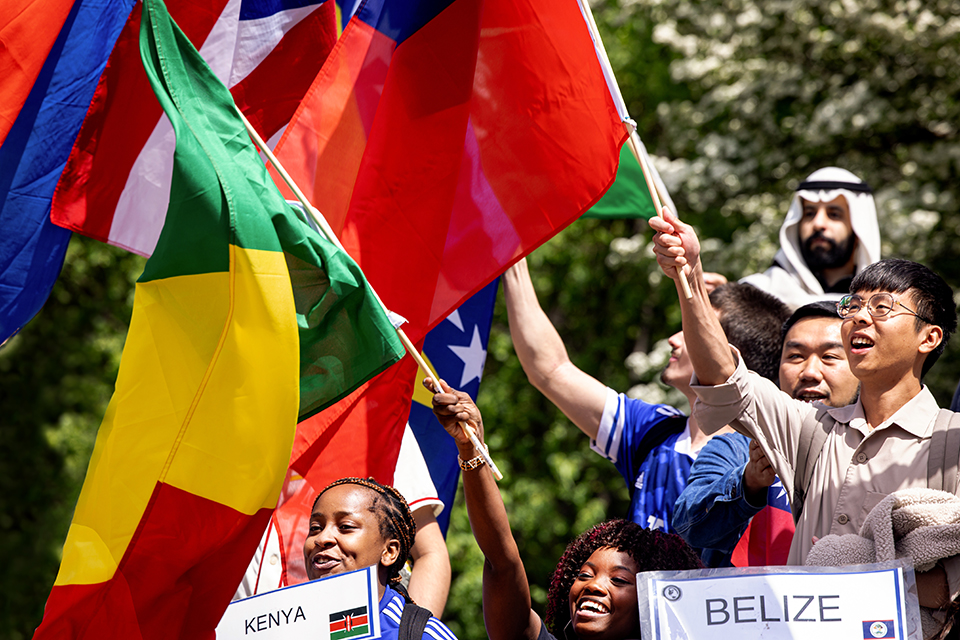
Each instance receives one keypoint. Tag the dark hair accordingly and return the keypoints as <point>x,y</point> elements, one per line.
<point>393,514</point>
<point>818,309</point>
<point>932,295</point>
<point>751,320</point>
<point>651,550</point>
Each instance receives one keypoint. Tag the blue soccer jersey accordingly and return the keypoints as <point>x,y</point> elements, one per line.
<point>650,446</point>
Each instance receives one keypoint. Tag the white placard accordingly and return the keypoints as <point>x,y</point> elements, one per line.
<point>341,607</point>
<point>772,603</point>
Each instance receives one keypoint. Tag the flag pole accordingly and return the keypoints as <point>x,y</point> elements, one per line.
<point>332,237</point>
<point>628,123</point>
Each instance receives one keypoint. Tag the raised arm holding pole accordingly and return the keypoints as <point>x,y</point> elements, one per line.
<point>332,237</point>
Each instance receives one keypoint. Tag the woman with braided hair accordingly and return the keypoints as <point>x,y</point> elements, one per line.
<point>593,593</point>
<point>357,523</point>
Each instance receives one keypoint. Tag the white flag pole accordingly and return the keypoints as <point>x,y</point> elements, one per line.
<point>332,237</point>
<point>628,123</point>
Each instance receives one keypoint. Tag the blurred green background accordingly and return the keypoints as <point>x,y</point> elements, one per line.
<point>737,100</point>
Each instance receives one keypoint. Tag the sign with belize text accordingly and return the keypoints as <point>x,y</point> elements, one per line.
<point>780,603</point>
<point>341,607</point>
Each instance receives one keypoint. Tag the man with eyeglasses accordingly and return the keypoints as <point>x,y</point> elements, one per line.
<point>895,324</point>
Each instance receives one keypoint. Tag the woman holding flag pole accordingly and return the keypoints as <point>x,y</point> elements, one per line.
<point>593,592</point>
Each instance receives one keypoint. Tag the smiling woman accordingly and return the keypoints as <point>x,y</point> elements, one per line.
<point>357,523</point>
<point>593,592</point>
<point>594,588</point>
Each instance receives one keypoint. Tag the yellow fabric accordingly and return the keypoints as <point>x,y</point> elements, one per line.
<point>193,362</point>
<point>420,393</point>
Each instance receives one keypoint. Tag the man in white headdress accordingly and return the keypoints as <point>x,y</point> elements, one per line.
<point>830,233</point>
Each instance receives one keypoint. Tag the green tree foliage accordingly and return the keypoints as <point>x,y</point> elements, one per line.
<point>56,377</point>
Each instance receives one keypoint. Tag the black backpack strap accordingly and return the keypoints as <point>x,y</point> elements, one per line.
<point>413,622</point>
<point>813,435</point>
<point>944,452</point>
<point>656,436</point>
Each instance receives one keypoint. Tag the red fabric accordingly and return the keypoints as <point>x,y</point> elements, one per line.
<point>183,559</point>
<point>766,541</point>
<point>27,31</point>
<point>440,162</point>
<point>124,112</point>
<point>493,130</point>
<point>122,115</point>
<point>360,436</point>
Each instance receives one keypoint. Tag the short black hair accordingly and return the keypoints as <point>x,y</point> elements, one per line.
<point>932,295</point>
<point>818,309</point>
<point>752,319</point>
<point>651,550</point>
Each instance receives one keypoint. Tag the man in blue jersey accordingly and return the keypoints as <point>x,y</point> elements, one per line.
<point>652,445</point>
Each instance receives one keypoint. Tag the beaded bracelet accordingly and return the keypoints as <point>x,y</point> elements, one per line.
<point>473,463</point>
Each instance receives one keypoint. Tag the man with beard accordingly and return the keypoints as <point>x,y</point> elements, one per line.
<point>652,445</point>
<point>830,233</point>
<point>732,485</point>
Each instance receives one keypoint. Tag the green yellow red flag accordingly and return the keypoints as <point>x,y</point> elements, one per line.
<point>244,320</point>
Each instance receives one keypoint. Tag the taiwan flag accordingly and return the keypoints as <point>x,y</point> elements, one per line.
<point>766,540</point>
<point>443,140</point>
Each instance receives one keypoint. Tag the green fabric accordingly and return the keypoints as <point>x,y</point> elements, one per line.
<point>221,194</point>
<point>628,196</point>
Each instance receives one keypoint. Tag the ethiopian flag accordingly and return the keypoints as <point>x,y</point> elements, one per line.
<point>244,319</point>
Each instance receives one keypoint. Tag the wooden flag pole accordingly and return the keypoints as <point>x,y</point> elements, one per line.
<point>633,141</point>
<point>332,237</point>
<point>628,124</point>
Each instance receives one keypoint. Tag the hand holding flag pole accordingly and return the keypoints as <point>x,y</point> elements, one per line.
<point>628,123</point>
<point>332,237</point>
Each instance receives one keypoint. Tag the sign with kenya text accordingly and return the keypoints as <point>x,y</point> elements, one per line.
<point>877,601</point>
<point>340,607</point>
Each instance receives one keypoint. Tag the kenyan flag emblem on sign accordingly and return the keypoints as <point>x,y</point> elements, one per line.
<point>349,624</point>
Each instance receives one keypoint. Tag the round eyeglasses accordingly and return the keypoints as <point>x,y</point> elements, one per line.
<point>879,305</point>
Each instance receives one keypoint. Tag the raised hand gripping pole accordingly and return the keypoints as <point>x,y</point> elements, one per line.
<point>332,237</point>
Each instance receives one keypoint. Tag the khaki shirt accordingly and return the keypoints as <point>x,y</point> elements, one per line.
<point>856,468</point>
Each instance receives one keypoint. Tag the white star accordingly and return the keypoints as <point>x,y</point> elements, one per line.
<point>783,491</point>
<point>473,358</point>
<point>455,319</point>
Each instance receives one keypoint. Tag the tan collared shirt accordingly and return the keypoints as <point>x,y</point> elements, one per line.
<point>856,468</point>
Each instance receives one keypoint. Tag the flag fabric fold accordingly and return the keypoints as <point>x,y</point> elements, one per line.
<point>114,186</point>
<point>351,440</point>
<point>628,196</point>
<point>193,450</point>
<point>445,139</point>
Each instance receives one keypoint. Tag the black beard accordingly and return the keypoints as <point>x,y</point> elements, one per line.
<point>821,258</point>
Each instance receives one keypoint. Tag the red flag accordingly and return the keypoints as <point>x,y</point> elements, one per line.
<point>356,437</point>
<point>116,183</point>
<point>444,140</point>
<point>27,33</point>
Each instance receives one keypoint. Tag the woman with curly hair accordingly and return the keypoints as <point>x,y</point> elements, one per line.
<point>357,523</point>
<point>593,592</point>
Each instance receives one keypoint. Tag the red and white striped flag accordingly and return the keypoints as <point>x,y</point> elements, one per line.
<point>116,183</point>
